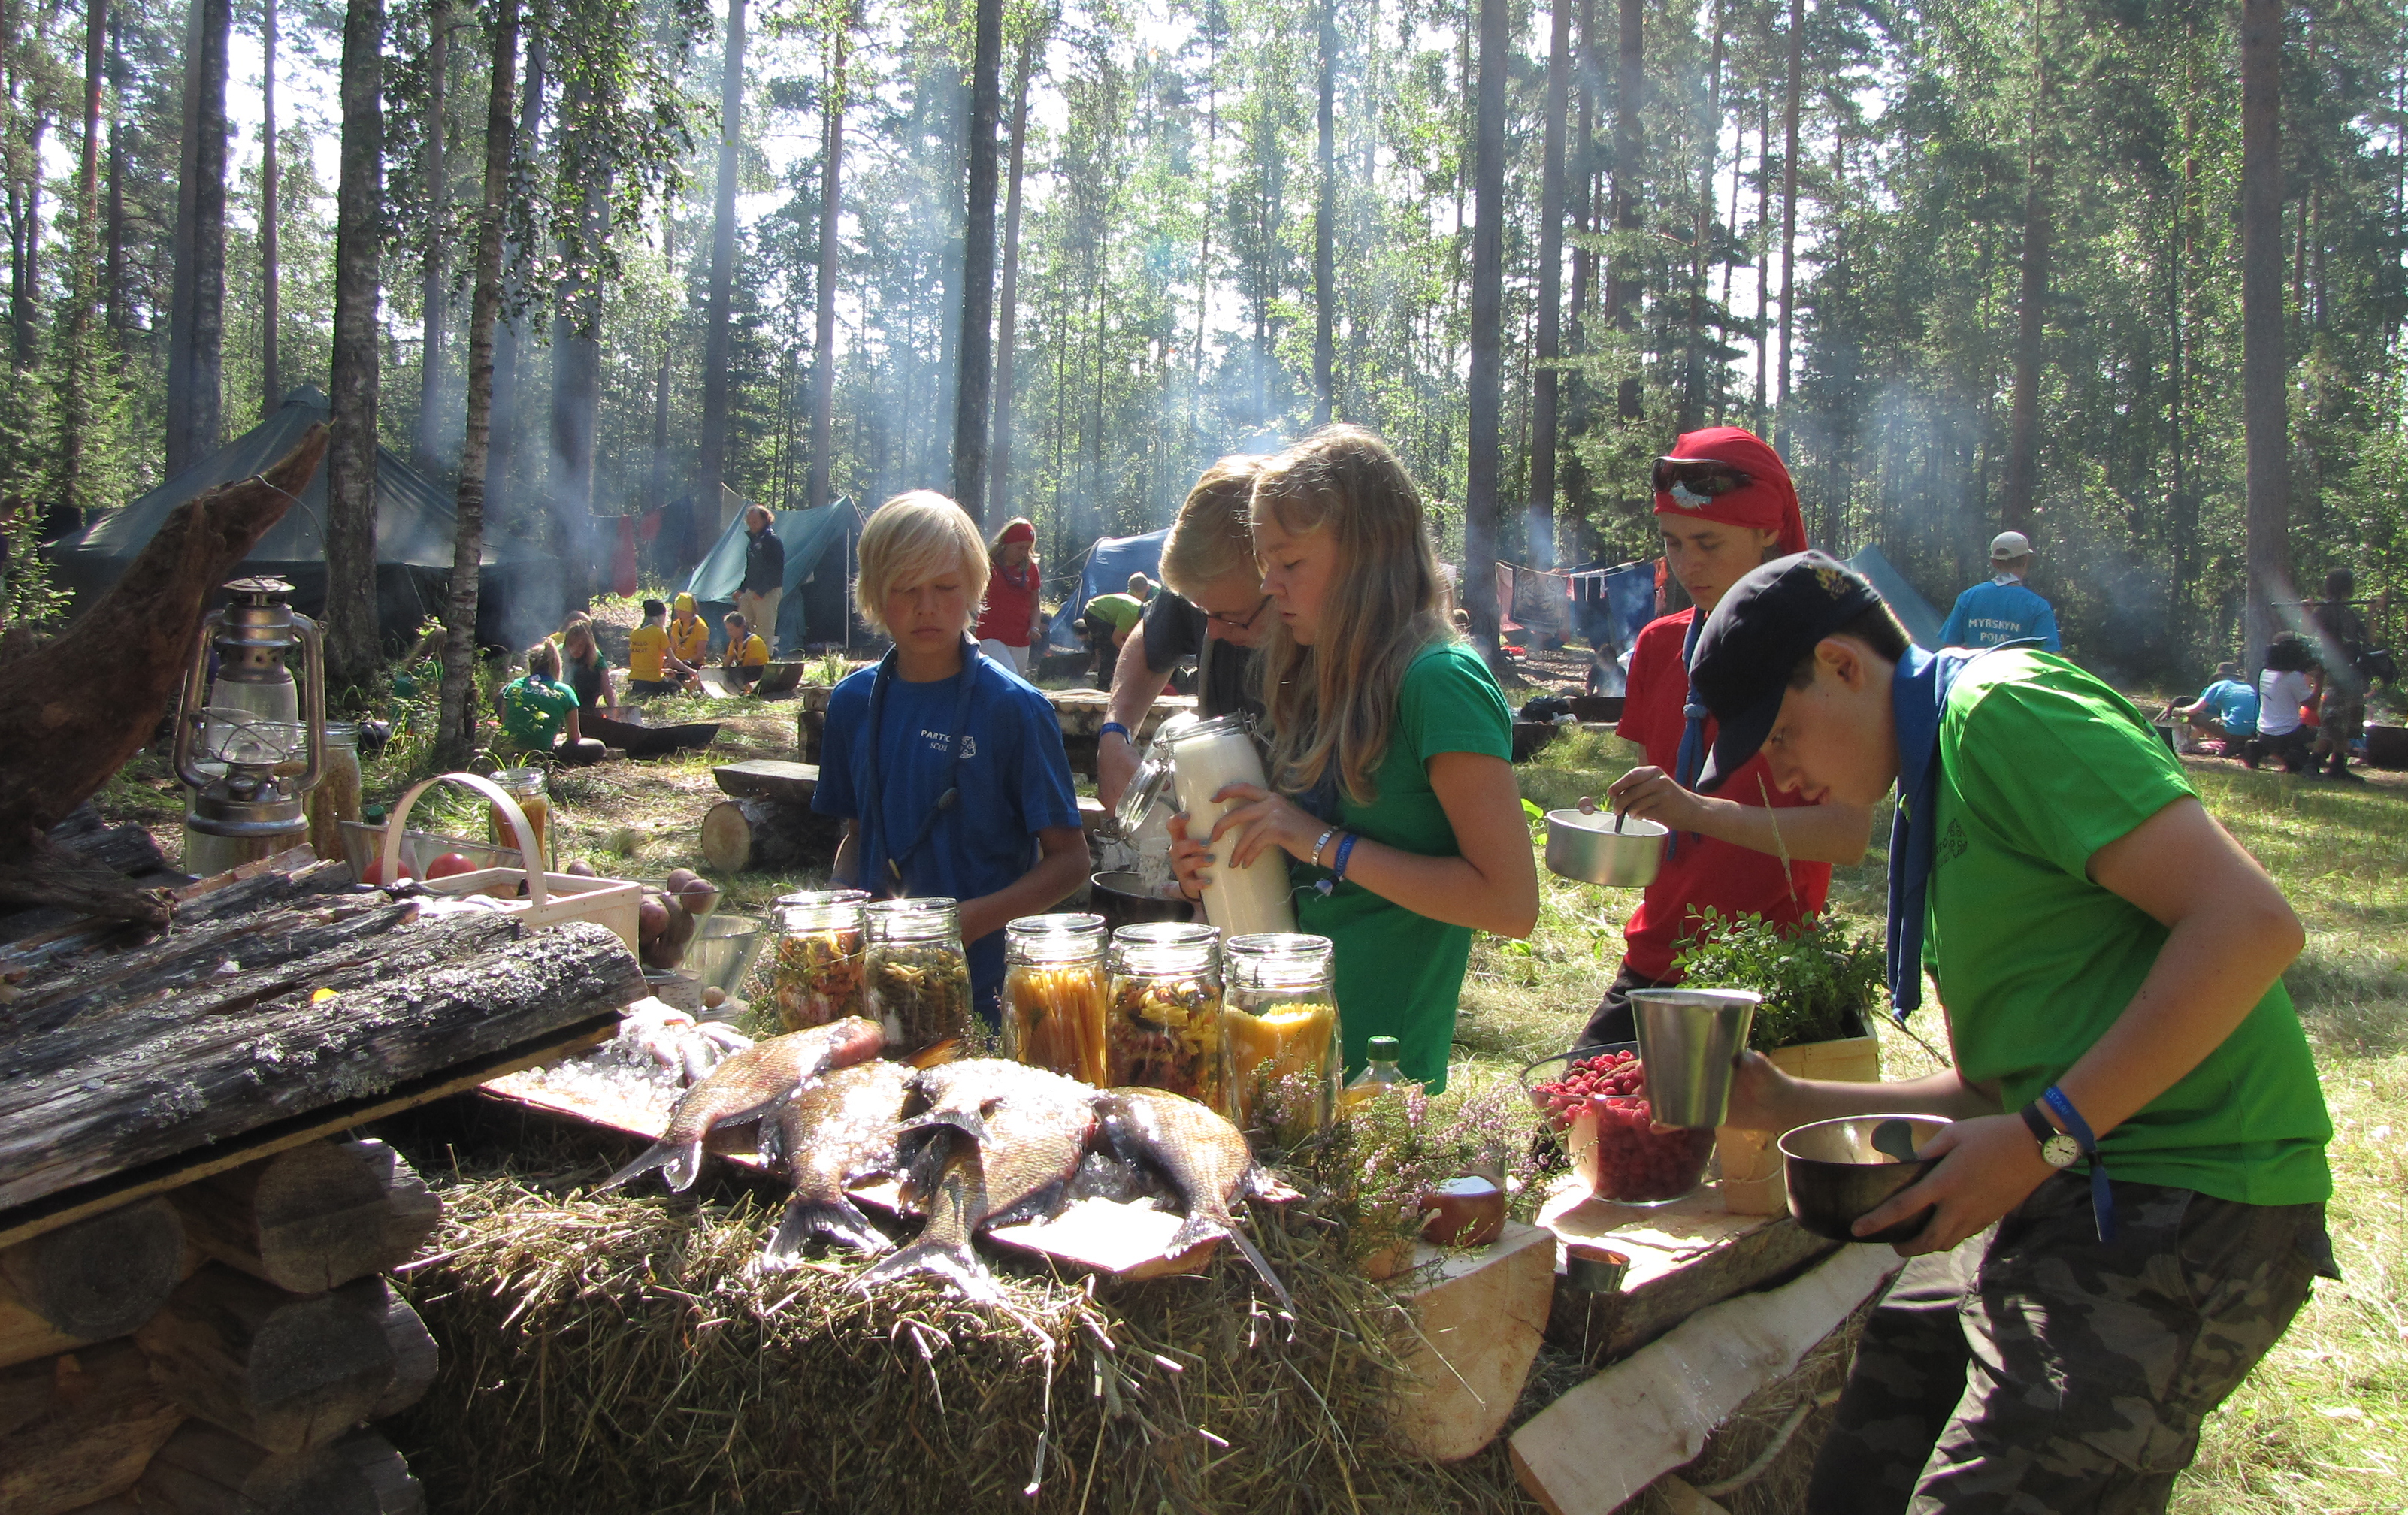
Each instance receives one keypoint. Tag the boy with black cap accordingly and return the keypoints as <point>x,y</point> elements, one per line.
<point>2109,961</point>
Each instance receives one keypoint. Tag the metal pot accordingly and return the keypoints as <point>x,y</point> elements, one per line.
<point>1589,848</point>
<point>1123,900</point>
<point>1835,1174</point>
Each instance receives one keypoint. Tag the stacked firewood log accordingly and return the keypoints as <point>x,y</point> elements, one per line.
<point>222,1348</point>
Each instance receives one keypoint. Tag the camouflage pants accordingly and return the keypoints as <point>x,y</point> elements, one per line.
<point>2033,1370</point>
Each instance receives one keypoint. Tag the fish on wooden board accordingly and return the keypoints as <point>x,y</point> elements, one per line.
<point>841,1129</point>
<point>999,1143</point>
<point>746,1086</point>
<point>1201,1156</point>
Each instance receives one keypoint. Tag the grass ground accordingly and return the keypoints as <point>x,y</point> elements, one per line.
<point>2318,1427</point>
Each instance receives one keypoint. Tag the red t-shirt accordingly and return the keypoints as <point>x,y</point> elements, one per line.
<point>1702,870</point>
<point>1011,603</point>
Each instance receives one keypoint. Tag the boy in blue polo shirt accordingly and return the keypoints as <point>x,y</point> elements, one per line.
<point>2226,709</point>
<point>2110,966</point>
<point>946,769</point>
<point>2004,609</point>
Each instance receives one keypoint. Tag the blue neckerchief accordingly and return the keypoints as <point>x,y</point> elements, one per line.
<point>1692,755</point>
<point>1918,697</point>
<point>874,850</point>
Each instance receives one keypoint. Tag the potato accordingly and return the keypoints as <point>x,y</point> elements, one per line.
<point>582,869</point>
<point>651,919</point>
<point>713,997</point>
<point>681,924</point>
<point>655,954</point>
<point>700,896</point>
<point>680,881</point>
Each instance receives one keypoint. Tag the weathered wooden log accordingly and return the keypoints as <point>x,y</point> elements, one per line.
<point>25,1334</point>
<point>765,835</point>
<point>314,1216</point>
<point>68,731</point>
<point>79,1427</point>
<point>102,1276</point>
<point>203,1470</point>
<point>212,1064</point>
<point>283,1371</point>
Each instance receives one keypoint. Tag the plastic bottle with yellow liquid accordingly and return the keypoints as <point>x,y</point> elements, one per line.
<point>1379,1074</point>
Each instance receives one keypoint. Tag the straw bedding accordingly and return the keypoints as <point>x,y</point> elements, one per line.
<point>621,1354</point>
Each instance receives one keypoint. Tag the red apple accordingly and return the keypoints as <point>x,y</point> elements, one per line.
<point>373,872</point>
<point>449,863</point>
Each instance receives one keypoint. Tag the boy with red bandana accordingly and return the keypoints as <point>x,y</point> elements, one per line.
<point>1724,504</point>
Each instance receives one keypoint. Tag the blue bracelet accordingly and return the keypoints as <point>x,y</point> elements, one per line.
<point>2102,1198</point>
<point>1345,850</point>
<point>1111,726</point>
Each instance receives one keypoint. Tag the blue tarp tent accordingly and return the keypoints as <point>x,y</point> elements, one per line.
<point>1914,612</point>
<point>415,525</point>
<point>818,607</point>
<point>1110,563</point>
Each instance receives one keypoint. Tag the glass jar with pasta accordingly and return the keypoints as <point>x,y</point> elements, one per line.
<point>1164,1030</point>
<point>1279,1034</point>
<point>815,972</point>
<point>916,978</point>
<point>1054,993</point>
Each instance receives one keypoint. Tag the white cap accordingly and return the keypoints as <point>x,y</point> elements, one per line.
<point>2010,544</point>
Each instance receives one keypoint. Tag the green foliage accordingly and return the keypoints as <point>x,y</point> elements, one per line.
<point>1821,981</point>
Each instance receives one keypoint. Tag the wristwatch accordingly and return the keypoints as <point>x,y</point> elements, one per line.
<point>2056,1149</point>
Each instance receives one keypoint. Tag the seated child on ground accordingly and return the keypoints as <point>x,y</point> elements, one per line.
<point>539,712</point>
<point>747,655</point>
<point>652,666</point>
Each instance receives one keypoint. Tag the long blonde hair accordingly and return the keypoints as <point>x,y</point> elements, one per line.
<point>1334,702</point>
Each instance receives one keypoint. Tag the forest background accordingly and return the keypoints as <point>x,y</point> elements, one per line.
<point>1970,264</point>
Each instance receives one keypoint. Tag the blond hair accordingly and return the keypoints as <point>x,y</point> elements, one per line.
<point>543,658</point>
<point>912,538</point>
<point>1213,539</point>
<point>1333,705</point>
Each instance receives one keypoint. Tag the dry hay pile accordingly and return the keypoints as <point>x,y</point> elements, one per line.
<point>619,1354</point>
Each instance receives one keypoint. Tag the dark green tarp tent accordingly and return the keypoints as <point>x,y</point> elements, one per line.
<point>415,524</point>
<point>817,609</point>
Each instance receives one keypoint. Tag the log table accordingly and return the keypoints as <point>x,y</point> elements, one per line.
<point>1081,713</point>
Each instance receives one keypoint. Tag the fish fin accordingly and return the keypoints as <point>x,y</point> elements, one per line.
<point>837,1219</point>
<point>681,1163</point>
<point>951,1261</point>
<point>1198,1229</point>
<point>969,1122</point>
<point>768,1107</point>
<point>1044,1202</point>
<point>944,1051</point>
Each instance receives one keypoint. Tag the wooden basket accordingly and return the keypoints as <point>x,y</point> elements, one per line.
<point>551,898</point>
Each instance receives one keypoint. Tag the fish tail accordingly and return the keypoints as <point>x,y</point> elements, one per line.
<point>680,1163</point>
<point>837,1219</point>
<point>950,1260</point>
<point>1198,1229</point>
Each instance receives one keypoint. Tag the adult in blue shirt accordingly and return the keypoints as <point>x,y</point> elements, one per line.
<point>947,769</point>
<point>2227,708</point>
<point>2003,609</point>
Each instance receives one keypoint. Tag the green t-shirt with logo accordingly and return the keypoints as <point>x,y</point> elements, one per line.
<point>534,709</point>
<point>2041,766</point>
<point>1400,974</point>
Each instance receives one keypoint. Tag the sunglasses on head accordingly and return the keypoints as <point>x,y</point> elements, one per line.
<point>1708,476</point>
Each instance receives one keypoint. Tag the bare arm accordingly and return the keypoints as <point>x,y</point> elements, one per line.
<point>1492,885</point>
<point>1056,876</point>
<point>1135,687</point>
<point>847,868</point>
<point>1827,833</point>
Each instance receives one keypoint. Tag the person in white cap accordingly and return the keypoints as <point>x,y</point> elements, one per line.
<point>2003,609</point>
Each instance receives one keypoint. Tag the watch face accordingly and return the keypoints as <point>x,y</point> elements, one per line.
<point>2060,1150</point>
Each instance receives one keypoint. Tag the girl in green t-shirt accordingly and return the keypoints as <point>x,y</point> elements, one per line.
<point>1391,750</point>
<point>539,712</point>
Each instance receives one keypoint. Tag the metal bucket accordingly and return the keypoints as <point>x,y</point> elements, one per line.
<point>1587,846</point>
<point>1688,1039</point>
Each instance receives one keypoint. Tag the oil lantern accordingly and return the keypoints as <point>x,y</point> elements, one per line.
<point>251,743</point>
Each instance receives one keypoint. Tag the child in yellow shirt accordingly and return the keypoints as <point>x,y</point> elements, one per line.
<point>652,666</point>
<point>689,634</point>
<point>747,655</point>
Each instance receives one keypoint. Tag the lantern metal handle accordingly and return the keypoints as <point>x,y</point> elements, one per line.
<point>192,713</point>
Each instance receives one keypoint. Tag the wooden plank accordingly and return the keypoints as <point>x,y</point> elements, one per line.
<point>1684,1257</point>
<point>28,1220</point>
<point>1477,1329</point>
<point>79,1427</point>
<point>1611,1436</point>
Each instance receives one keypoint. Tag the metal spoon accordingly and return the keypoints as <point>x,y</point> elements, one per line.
<point>1894,1137</point>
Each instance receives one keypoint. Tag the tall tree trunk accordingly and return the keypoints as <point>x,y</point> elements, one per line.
<point>1544,378</point>
<point>196,320</point>
<point>2264,406</point>
<point>975,373</point>
<point>1693,375</point>
<point>1789,217</point>
<point>2023,414</point>
<point>1621,282</point>
<point>719,344</point>
<point>660,491</point>
<point>576,377</point>
<point>350,452</point>
<point>1008,314</point>
<point>1324,230</point>
<point>511,339</point>
<point>79,373</point>
<point>1583,170</point>
<point>1482,479</point>
<point>115,278</point>
<point>823,352</point>
<point>426,456</point>
<point>271,382</point>
<point>456,730</point>
<point>1763,253</point>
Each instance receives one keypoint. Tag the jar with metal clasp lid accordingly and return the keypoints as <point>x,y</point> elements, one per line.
<point>916,978</point>
<point>815,972</point>
<point>1280,1053</point>
<point>1054,993</point>
<point>1164,1030</point>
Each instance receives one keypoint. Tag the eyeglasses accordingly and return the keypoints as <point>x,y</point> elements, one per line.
<point>1233,623</point>
<point>1708,476</point>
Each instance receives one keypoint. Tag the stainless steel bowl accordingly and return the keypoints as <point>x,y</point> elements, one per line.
<point>1588,848</point>
<point>1835,1174</point>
